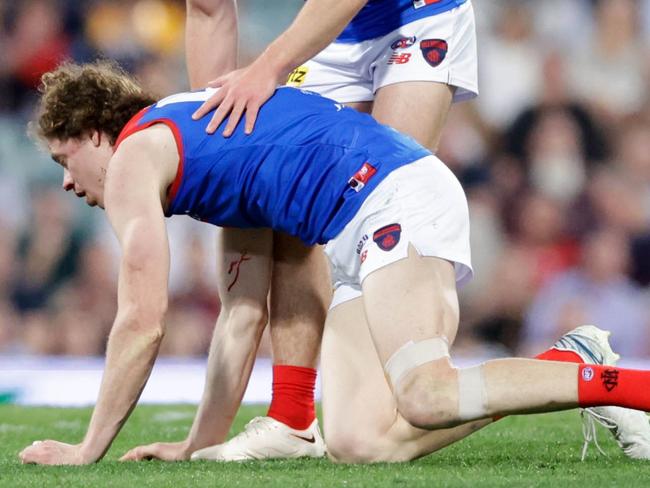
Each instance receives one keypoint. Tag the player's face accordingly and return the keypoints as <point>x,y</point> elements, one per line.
<point>84,163</point>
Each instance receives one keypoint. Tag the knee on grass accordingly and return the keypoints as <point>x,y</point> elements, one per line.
<point>362,448</point>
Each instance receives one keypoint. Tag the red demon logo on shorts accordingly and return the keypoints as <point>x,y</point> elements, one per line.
<point>388,236</point>
<point>434,51</point>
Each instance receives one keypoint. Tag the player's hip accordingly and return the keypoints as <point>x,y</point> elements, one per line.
<point>440,48</point>
<point>422,204</point>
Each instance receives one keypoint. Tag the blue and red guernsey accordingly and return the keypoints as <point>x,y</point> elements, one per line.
<point>380,17</point>
<point>306,169</point>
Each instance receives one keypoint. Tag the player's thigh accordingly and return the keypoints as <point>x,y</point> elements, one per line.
<point>412,299</point>
<point>244,262</point>
<point>401,247</point>
<point>416,108</point>
<point>301,281</point>
<point>358,406</point>
<point>361,421</point>
<point>360,414</point>
<point>425,65</point>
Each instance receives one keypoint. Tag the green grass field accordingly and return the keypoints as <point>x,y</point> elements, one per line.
<point>542,450</point>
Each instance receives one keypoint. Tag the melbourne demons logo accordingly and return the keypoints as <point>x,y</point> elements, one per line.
<point>403,43</point>
<point>388,236</point>
<point>434,51</point>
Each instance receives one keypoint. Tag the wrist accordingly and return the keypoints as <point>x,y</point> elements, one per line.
<point>277,62</point>
<point>187,448</point>
<point>88,454</point>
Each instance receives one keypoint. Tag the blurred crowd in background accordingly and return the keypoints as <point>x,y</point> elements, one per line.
<point>554,156</point>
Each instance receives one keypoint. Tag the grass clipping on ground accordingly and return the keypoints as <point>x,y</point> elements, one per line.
<point>535,450</point>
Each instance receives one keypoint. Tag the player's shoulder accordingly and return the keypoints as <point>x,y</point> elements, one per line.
<point>150,141</point>
<point>148,155</point>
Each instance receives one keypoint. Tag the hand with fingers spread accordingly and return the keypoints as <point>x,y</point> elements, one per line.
<point>54,453</point>
<point>242,90</point>
<point>245,90</point>
<point>164,451</point>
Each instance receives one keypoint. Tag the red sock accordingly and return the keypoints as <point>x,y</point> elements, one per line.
<point>293,396</point>
<point>558,355</point>
<point>609,385</point>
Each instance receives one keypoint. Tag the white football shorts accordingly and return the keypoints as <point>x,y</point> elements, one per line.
<point>422,204</point>
<point>440,48</point>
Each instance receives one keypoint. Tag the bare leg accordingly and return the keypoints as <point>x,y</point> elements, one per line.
<point>361,420</point>
<point>419,294</point>
<point>300,294</point>
<point>416,108</point>
<point>210,39</point>
<point>366,419</point>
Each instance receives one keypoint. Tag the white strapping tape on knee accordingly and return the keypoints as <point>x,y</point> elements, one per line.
<point>414,354</point>
<point>472,395</point>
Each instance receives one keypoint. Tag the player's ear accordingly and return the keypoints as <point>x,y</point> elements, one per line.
<point>95,138</point>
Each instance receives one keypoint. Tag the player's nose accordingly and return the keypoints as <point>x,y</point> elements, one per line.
<point>68,182</point>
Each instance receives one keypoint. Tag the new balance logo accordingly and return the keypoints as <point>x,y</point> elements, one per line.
<point>399,58</point>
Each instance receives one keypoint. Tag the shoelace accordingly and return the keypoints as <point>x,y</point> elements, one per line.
<point>589,419</point>
<point>255,426</point>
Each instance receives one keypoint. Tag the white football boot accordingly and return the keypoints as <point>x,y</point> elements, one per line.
<point>630,428</point>
<point>266,438</point>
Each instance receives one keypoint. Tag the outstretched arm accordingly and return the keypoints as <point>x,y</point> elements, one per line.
<point>133,204</point>
<point>246,90</point>
<point>244,272</point>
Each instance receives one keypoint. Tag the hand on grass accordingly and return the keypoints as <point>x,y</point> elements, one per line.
<point>164,451</point>
<point>53,452</point>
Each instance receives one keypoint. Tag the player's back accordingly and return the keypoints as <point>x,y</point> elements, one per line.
<point>291,174</point>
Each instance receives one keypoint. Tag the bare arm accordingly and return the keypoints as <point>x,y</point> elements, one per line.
<point>210,39</point>
<point>134,209</point>
<point>245,90</point>
<point>314,28</point>
<point>132,200</point>
<point>244,272</point>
